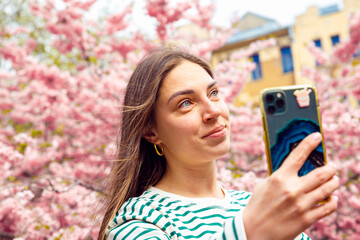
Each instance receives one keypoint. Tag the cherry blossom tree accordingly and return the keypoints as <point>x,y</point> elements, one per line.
<point>62,78</point>
<point>337,80</point>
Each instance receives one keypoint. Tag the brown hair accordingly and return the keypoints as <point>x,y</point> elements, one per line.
<point>138,166</point>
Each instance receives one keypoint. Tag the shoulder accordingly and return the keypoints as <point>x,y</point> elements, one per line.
<point>147,211</point>
<point>136,229</point>
<point>140,208</point>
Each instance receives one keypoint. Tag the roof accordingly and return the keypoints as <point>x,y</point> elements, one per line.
<point>256,15</point>
<point>329,9</point>
<point>269,26</point>
<point>264,29</point>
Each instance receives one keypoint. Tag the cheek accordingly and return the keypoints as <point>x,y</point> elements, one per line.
<point>186,124</point>
<point>181,128</point>
<point>225,113</point>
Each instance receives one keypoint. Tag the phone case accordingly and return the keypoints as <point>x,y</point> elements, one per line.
<point>289,114</point>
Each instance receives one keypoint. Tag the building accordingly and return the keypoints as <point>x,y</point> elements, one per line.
<point>282,64</point>
<point>325,26</point>
<point>274,66</point>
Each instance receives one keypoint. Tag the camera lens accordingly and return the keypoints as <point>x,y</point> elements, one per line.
<point>269,98</point>
<point>271,110</point>
<point>280,103</point>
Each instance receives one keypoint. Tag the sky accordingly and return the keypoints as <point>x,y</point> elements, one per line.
<point>283,11</point>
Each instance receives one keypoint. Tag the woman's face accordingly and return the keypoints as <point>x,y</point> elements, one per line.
<point>191,119</point>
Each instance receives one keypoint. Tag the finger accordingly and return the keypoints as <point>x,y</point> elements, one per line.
<point>321,211</point>
<point>318,176</point>
<point>298,156</point>
<point>323,192</point>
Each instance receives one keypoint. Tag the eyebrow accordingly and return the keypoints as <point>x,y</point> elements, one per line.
<point>189,91</point>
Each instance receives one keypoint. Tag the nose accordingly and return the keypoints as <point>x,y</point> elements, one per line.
<point>211,111</point>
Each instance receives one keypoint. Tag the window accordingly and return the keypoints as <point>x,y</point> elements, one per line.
<point>335,39</point>
<point>318,44</point>
<point>256,73</point>
<point>287,61</point>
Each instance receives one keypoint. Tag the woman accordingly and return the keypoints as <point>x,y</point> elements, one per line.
<point>174,126</point>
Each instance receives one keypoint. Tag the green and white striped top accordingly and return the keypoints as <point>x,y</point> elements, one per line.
<point>163,216</point>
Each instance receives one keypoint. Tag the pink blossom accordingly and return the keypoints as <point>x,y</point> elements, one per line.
<point>100,50</point>
<point>344,51</point>
<point>354,202</point>
<point>17,30</point>
<point>9,157</point>
<point>85,5</point>
<point>44,10</point>
<point>116,22</point>
<point>165,14</point>
<point>14,53</point>
<point>5,100</point>
<point>355,27</point>
<point>10,215</point>
<point>204,14</point>
<point>59,115</point>
<point>4,74</point>
<point>124,47</point>
<point>253,48</point>
<point>31,44</point>
<point>320,56</point>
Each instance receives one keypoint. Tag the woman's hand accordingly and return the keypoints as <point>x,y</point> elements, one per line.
<point>285,204</point>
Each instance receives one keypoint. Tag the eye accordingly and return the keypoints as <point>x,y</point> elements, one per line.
<point>214,93</point>
<point>185,103</point>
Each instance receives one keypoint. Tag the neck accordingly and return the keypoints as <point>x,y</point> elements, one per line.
<point>195,181</point>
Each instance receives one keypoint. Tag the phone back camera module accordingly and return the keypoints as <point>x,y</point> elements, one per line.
<point>275,103</point>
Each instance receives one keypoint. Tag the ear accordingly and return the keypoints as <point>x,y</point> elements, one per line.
<point>151,135</point>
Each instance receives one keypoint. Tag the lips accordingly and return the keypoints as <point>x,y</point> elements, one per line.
<point>216,130</point>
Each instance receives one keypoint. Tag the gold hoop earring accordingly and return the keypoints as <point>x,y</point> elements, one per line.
<point>157,151</point>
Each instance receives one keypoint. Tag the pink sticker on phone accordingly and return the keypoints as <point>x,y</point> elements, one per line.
<point>302,97</point>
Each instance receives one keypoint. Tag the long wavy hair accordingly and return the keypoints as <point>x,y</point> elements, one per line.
<point>138,166</point>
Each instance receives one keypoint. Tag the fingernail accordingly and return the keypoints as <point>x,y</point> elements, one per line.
<point>316,136</point>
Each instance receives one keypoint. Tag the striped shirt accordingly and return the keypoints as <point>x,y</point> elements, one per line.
<point>159,215</point>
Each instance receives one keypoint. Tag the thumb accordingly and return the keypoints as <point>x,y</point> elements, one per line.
<point>300,154</point>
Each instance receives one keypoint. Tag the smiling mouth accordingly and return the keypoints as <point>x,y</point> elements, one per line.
<point>216,132</point>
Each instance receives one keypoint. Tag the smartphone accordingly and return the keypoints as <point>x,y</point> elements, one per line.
<point>289,114</point>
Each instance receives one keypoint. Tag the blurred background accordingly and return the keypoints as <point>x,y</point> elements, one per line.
<point>64,66</point>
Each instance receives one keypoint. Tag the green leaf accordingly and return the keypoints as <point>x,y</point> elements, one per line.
<point>6,111</point>
<point>355,62</point>
<point>59,130</point>
<point>21,147</point>
<point>22,86</point>
<point>20,128</point>
<point>36,133</point>
<point>67,182</point>
<point>93,59</point>
<point>11,178</point>
<point>237,175</point>
<point>45,145</point>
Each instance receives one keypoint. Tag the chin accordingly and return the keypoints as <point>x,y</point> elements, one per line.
<point>220,150</point>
